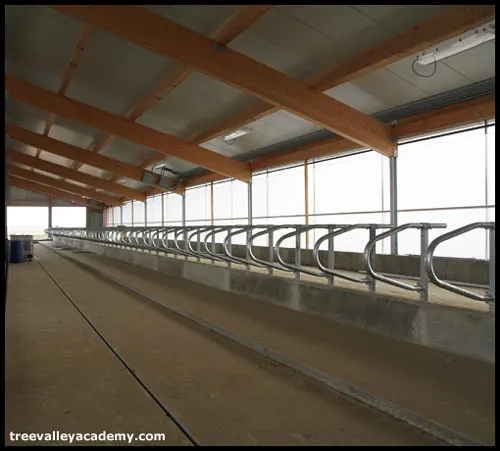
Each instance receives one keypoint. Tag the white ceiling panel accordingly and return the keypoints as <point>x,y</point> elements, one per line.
<point>39,44</point>
<point>56,159</point>
<point>315,49</point>
<point>94,171</point>
<point>25,116</point>
<point>389,88</point>
<point>273,55</point>
<point>202,19</point>
<point>399,18</point>
<point>23,148</point>
<point>195,104</point>
<point>444,78</point>
<point>357,98</point>
<point>135,185</point>
<point>343,23</point>
<point>114,74</point>
<point>74,133</point>
<point>126,151</point>
<point>476,64</point>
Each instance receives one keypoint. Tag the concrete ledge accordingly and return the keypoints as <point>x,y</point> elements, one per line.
<point>459,331</point>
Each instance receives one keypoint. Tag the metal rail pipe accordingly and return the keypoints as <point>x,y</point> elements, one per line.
<point>489,297</point>
<point>167,240</point>
<point>422,285</point>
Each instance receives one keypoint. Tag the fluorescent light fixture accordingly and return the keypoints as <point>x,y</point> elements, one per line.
<point>237,134</point>
<point>459,44</point>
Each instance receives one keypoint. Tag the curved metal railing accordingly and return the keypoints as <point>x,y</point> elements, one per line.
<point>489,297</point>
<point>422,285</point>
<point>214,243</point>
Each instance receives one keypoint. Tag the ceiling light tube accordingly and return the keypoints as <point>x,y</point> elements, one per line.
<point>237,134</point>
<point>458,44</point>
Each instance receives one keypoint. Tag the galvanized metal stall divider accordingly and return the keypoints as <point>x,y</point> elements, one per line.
<point>166,240</point>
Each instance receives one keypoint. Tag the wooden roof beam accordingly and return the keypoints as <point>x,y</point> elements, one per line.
<point>461,113</point>
<point>44,99</point>
<point>453,22</point>
<point>242,18</point>
<point>53,192</point>
<point>66,150</point>
<point>70,174</point>
<point>167,38</point>
<point>65,186</point>
<point>68,76</point>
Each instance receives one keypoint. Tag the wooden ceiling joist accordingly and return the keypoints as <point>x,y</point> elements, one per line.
<point>65,186</point>
<point>461,113</point>
<point>44,99</point>
<point>66,150</point>
<point>73,152</point>
<point>70,174</point>
<point>167,38</point>
<point>68,76</point>
<point>453,22</point>
<point>52,192</point>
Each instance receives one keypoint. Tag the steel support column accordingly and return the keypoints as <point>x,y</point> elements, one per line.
<point>250,216</point>
<point>394,200</point>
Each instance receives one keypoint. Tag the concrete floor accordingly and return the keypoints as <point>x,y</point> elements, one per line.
<point>223,393</point>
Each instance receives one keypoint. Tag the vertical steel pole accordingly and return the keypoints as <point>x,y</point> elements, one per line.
<point>306,199</point>
<point>424,278</point>
<point>372,234</point>
<point>394,200</point>
<point>145,213</point>
<point>331,255</point>
<point>491,289</point>
<point>163,209</point>
<point>212,216</point>
<point>297,253</point>
<point>50,215</point>
<point>250,218</point>
<point>121,214</point>
<point>184,221</point>
<point>271,251</point>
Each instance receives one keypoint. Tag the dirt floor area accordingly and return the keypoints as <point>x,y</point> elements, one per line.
<point>223,393</point>
<point>453,391</point>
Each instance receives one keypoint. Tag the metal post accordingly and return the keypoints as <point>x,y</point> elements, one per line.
<point>271,251</point>
<point>184,221</point>
<point>229,246</point>
<point>50,215</point>
<point>212,217</point>
<point>394,200</point>
<point>250,218</point>
<point>491,289</point>
<point>331,255</point>
<point>424,279</point>
<point>145,213</point>
<point>306,199</point>
<point>297,253</point>
<point>163,209</point>
<point>372,283</point>
<point>198,245</point>
<point>121,214</point>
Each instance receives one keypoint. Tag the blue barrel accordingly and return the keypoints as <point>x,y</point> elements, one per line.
<point>16,251</point>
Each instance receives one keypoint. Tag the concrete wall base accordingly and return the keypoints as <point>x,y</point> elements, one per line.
<point>459,331</point>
